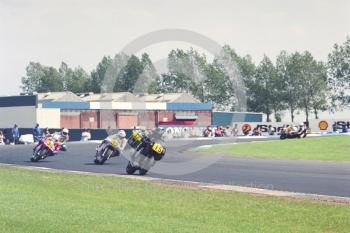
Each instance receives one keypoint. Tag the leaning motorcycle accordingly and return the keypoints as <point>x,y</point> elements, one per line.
<point>285,135</point>
<point>107,150</point>
<point>142,152</point>
<point>47,147</point>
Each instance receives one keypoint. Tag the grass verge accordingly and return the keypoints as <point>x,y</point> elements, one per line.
<point>336,148</point>
<point>33,201</point>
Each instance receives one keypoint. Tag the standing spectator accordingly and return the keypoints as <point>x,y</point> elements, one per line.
<point>37,133</point>
<point>2,138</point>
<point>235,130</point>
<point>15,134</point>
<point>227,131</point>
<point>271,130</point>
<point>335,127</point>
<point>86,135</point>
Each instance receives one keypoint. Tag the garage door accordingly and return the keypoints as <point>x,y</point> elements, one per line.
<point>127,121</point>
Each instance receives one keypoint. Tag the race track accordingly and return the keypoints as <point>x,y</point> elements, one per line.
<point>315,177</point>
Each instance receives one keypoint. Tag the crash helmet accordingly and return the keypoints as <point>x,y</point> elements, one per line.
<point>121,134</point>
<point>65,131</point>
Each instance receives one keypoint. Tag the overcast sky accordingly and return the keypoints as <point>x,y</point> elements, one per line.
<point>81,32</point>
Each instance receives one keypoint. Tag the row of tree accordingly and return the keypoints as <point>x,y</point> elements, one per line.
<point>293,82</point>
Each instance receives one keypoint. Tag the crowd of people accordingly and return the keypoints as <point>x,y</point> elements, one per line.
<point>14,136</point>
<point>259,130</point>
<point>342,129</point>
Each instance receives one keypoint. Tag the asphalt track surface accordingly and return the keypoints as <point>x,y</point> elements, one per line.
<point>316,177</point>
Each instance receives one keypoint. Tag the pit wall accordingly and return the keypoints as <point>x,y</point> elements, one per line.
<point>74,134</point>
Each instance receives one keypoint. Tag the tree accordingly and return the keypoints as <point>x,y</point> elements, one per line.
<point>218,88</point>
<point>287,70</point>
<point>129,75</point>
<point>149,75</point>
<point>339,74</point>
<point>98,75</point>
<point>311,82</point>
<point>77,80</point>
<point>34,75</point>
<point>262,88</point>
<point>41,79</point>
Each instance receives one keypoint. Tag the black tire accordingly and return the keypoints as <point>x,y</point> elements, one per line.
<point>41,154</point>
<point>283,136</point>
<point>102,159</point>
<point>142,171</point>
<point>130,169</point>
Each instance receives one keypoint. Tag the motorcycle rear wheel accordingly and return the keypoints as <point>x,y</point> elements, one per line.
<point>142,172</point>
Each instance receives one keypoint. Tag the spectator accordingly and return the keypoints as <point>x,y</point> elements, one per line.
<point>207,132</point>
<point>15,134</point>
<point>344,129</point>
<point>335,127</point>
<point>46,132</point>
<point>86,135</point>
<point>37,133</point>
<point>227,131</point>
<point>271,130</point>
<point>218,131</point>
<point>235,130</point>
<point>257,131</point>
<point>2,138</point>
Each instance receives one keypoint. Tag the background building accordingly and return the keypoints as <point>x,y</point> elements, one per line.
<point>109,110</point>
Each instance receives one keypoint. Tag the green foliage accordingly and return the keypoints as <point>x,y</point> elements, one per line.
<point>339,74</point>
<point>262,88</point>
<point>41,78</point>
<point>98,75</point>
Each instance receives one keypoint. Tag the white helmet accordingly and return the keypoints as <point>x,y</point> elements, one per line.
<point>65,131</point>
<point>121,134</point>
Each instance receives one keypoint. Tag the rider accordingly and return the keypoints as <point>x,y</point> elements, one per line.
<point>120,137</point>
<point>61,138</point>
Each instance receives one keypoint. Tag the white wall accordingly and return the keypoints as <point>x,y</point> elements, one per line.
<point>24,117</point>
<point>48,117</point>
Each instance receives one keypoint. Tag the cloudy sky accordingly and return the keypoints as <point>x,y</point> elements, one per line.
<point>81,32</point>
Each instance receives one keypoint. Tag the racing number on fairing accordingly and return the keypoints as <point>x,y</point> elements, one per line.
<point>157,148</point>
<point>137,137</point>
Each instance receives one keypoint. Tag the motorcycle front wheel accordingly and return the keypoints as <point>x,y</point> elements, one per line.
<point>41,154</point>
<point>130,169</point>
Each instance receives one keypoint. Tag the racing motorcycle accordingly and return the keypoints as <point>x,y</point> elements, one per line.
<point>285,135</point>
<point>47,147</point>
<point>107,149</point>
<point>145,152</point>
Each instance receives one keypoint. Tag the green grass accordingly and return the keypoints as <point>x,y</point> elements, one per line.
<point>32,201</point>
<point>336,148</point>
